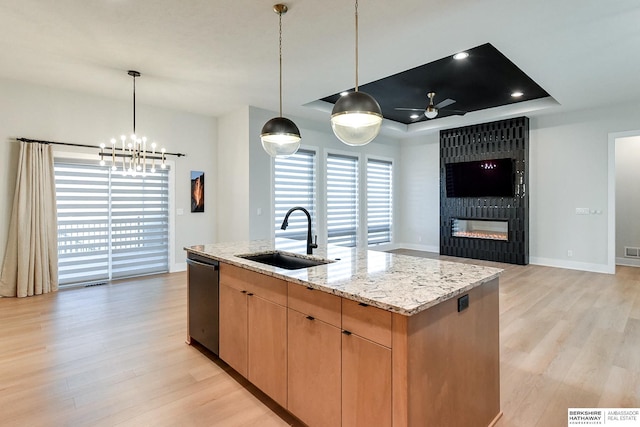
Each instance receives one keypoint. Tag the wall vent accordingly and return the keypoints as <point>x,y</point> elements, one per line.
<point>630,252</point>
<point>88,285</point>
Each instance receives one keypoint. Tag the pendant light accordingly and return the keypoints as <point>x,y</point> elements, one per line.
<point>356,117</point>
<point>280,136</point>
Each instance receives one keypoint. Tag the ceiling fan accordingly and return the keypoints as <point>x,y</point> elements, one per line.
<point>432,110</point>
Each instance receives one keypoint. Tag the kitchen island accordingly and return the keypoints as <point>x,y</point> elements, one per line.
<point>369,338</point>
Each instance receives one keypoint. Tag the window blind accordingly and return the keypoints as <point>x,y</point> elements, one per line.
<point>379,201</point>
<point>82,202</point>
<point>139,224</point>
<point>294,186</point>
<point>342,199</point>
<point>110,226</point>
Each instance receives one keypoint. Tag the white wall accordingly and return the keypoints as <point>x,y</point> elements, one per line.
<point>232,159</point>
<point>419,223</point>
<point>627,153</point>
<point>569,170</point>
<point>39,112</point>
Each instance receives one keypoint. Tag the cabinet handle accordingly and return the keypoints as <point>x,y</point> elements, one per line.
<point>346,332</point>
<point>310,288</point>
<point>250,294</point>
<point>311,318</point>
<point>363,304</point>
<point>244,292</point>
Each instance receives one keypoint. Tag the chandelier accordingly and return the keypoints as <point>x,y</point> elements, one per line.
<point>134,150</point>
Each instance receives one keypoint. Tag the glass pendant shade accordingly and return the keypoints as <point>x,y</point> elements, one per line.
<point>280,137</point>
<point>356,118</point>
<point>431,112</point>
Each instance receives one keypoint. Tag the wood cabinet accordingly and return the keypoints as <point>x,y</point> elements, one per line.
<point>233,328</point>
<point>267,347</point>
<point>315,372</point>
<point>314,375</point>
<point>366,383</point>
<point>366,365</point>
<point>366,321</point>
<point>253,328</point>
<point>446,363</point>
<point>332,361</point>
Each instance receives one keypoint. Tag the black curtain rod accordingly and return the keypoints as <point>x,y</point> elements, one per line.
<point>83,145</point>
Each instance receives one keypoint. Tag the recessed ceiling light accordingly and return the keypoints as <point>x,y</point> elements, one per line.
<point>517,94</point>
<point>461,55</point>
<point>414,116</point>
<point>343,93</point>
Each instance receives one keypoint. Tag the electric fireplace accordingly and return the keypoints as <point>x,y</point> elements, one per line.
<point>480,229</point>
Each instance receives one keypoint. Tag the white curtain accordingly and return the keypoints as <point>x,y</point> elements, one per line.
<point>31,259</point>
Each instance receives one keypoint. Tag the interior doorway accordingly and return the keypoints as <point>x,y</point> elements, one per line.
<point>623,147</point>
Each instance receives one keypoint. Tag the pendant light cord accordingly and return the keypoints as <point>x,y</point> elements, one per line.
<point>134,104</point>
<point>280,57</point>
<point>356,45</point>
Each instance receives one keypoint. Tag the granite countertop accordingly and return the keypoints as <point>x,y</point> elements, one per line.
<point>398,283</point>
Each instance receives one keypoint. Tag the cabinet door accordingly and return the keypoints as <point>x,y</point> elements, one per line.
<point>366,383</point>
<point>268,348</point>
<point>314,370</point>
<point>233,328</point>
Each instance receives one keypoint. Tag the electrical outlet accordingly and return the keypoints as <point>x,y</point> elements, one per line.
<point>582,211</point>
<point>463,302</point>
<point>569,252</point>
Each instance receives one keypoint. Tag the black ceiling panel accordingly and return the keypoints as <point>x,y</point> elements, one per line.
<point>484,80</point>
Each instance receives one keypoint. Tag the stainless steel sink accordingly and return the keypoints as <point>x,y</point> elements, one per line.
<point>284,260</point>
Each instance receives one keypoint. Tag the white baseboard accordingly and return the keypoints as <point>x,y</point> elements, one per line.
<point>629,262</point>
<point>572,265</point>
<point>548,262</point>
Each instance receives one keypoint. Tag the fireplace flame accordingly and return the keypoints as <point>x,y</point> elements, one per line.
<point>481,235</point>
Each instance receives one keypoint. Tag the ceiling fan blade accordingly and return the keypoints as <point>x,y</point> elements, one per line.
<point>409,109</point>
<point>456,112</point>
<point>445,103</point>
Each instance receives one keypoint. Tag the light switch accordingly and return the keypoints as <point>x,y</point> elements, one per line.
<point>179,211</point>
<point>259,212</point>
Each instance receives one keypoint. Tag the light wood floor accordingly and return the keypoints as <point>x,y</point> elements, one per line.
<point>115,354</point>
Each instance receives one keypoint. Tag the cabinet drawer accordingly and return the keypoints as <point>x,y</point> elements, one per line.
<point>369,322</point>
<point>312,302</point>
<point>267,287</point>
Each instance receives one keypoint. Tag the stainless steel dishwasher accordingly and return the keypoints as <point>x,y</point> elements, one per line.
<point>203,277</point>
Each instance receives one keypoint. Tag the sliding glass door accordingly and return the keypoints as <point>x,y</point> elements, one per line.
<point>110,226</point>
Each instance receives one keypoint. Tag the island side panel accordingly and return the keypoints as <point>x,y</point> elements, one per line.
<point>399,374</point>
<point>453,362</point>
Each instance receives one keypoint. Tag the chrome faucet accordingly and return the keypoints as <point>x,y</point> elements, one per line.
<point>285,223</point>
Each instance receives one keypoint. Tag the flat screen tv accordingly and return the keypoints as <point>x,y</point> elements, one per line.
<point>482,178</point>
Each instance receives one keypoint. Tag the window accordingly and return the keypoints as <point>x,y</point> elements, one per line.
<point>379,201</point>
<point>294,186</point>
<point>110,226</point>
<point>342,199</point>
